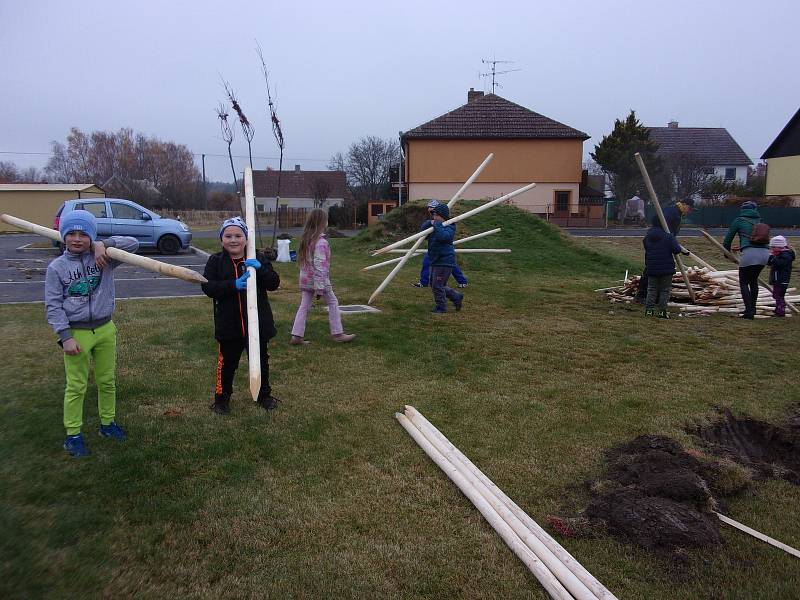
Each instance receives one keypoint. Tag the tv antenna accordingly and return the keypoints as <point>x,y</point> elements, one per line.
<point>494,72</point>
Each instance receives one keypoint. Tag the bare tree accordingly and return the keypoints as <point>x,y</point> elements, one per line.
<point>320,190</point>
<point>367,165</point>
<point>686,174</point>
<point>8,172</point>
<point>247,128</point>
<point>227,135</point>
<point>278,133</point>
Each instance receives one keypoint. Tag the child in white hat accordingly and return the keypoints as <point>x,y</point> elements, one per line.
<point>780,262</point>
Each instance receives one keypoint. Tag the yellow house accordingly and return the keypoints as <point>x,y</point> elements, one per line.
<point>441,154</point>
<point>783,161</point>
<point>39,202</point>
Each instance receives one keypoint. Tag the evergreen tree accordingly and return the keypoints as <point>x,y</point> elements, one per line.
<point>615,153</point>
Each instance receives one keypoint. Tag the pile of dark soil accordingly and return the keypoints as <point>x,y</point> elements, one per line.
<point>769,450</point>
<point>656,494</point>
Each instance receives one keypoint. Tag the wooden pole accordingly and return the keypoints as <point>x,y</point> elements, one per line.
<point>114,253</point>
<point>456,219</point>
<point>759,535</point>
<point>534,564</point>
<point>462,251</point>
<point>734,258</point>
<point>253,338</point>
<point>661,218</point>
<point>396,270</point>
<point>469,181</point>
<point>570,572</point>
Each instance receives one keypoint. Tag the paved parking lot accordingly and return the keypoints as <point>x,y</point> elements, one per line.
<point>22,273</point>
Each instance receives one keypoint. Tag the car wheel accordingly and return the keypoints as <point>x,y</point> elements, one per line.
<point>169,244</point>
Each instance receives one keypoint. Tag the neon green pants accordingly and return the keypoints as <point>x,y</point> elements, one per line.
<point>101,345</point>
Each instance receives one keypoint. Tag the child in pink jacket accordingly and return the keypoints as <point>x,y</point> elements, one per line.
<point>314,256</point>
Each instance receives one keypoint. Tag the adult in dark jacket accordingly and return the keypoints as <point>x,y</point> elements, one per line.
<point>659,248</point>
<point>672,215</point>
<point>443,259</point>
<point>780,261</point>
<point>753,256</point>
<point>227,275</point>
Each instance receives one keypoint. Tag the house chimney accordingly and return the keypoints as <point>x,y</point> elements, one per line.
<point>672,124</point>
<point>297,168</point>
<point>473,95</point>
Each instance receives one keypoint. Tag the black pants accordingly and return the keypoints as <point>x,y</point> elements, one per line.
<point>643,282</point>
<point>748,285</point>
<point>230,351</point>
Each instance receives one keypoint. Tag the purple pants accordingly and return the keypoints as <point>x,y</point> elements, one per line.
<point>334,316</point>
<point>778,292</point>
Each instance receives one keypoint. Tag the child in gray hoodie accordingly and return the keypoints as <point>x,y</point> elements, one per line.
<point>80,298</point>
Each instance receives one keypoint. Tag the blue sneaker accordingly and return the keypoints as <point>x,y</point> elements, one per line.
<point>439,311</point>
<point>75,446</point>
<point>113,431</point>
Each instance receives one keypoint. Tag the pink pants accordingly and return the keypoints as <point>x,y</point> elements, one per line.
<point>334,316</point>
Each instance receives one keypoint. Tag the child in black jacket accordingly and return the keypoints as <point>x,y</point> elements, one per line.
<point>780,261</point>
<point>659,246</point>
<point>227,276</point>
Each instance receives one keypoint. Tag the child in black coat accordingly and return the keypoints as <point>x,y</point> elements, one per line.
<point>780,262</point>
<point>227,273</point>
<point>659,247</point>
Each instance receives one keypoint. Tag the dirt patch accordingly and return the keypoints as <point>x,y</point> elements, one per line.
<point>769,450</point>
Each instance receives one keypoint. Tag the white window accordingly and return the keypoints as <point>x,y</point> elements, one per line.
<point>730,173</point>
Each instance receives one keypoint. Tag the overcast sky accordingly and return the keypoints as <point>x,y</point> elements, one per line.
<point>349,69</point>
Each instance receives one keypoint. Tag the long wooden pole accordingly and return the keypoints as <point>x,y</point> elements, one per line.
<point>534,564</point>
<point>462,251</point>
<point>544,546</point>
<point>253,338</point>
<point>114,253</point>
<point>759,535</point>
<point>456,219</point>
<point>469,181</point>
<point>735,259</point>
<point>396,270</point>
<point>661,218</point>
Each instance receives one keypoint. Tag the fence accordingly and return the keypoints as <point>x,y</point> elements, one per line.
<point>722,216</point>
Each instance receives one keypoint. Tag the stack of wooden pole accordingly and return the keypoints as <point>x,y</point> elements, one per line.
<point>714,291</point>
<point>559,573</point>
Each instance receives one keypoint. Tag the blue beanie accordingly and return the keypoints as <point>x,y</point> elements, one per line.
<point>235,222</point>
<point>442,210</point>
<point>78,220</point>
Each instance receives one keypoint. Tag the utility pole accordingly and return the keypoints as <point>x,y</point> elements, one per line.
<point>494,72</point>
<point>205,192</point>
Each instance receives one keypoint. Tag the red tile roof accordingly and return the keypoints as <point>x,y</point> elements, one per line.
<point>491,116</point>
<point>297,184</point>
<point>713,145</point>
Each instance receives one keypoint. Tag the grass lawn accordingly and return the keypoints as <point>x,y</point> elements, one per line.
<point>328,497</point>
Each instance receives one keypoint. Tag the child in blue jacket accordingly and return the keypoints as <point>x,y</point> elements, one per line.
<point>780,262</point>
<point>659,248</point>
<point>443,259</point>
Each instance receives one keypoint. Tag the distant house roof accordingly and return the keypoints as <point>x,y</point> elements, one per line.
<point>713,145</point>
<point>491,116</point>
<point>298,184</point>
<point>47,187</point>
<point>788,141</point>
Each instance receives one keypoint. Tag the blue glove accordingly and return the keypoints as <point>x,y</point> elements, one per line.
<point>253,262</point>
<point>241,283</point>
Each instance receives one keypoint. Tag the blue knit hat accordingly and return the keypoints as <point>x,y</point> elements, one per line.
<point>433,203</point>
<point>442,210</point>
<point>78,220</point>
<point>235,222</point>
<point>749,204</point>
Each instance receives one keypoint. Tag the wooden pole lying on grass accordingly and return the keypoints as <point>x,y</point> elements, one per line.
<point>114,253</point>
<point>456,219</point>
<point>534,564</point>
<point>759,535</point>
<point>730,255</point>
<point>569,571</point>
<point>463,251</point>
<point>253,330</point>
<point>661,218</point>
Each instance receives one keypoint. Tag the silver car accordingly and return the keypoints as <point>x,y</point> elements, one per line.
<point>123,217</point>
